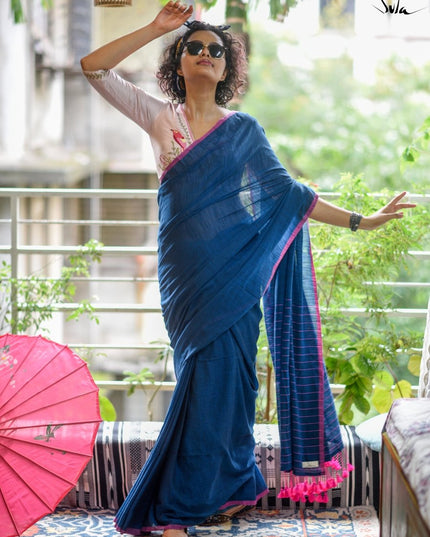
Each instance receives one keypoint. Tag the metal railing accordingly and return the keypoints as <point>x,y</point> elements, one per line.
<point>23,210</point>
<point>17,246</point>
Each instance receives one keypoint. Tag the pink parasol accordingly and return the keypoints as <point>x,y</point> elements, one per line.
<point>49,417</point>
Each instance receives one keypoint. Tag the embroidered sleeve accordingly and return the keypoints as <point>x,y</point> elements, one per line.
<point>132,101</point>
<point>95,75</point>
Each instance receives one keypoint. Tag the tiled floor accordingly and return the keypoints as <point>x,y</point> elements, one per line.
<point>343,522</point>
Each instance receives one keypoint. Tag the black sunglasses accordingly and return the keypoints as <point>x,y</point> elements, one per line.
<point>195,48</point>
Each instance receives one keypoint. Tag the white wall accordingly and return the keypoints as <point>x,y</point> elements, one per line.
<point>14,79</point>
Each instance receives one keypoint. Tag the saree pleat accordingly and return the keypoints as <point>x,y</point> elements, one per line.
<point>216,463</point>
<point>229,213</point>
<point>203,457</point>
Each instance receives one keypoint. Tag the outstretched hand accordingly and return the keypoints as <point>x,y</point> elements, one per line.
<point>172,16</point>
<point>392,210</point>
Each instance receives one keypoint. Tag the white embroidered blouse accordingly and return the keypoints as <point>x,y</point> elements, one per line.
<point>164,121</point>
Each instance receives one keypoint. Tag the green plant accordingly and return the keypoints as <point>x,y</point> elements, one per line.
<point>363,352</point>
<point>322,121</point>
<point>140,378</point>
<point>145,376</point>
<point>107,410</point>
<point>419,145</point>
<point>28,303</point>
<point>18,12</point>
<point>278,8</point>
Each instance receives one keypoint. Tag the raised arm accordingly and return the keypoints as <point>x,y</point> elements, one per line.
<point>330,214</point>
<point>171,17</point>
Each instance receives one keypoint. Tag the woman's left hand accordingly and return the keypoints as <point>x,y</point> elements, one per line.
<point>392,210</point>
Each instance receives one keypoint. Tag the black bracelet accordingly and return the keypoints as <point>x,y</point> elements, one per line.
<point>354,221</point>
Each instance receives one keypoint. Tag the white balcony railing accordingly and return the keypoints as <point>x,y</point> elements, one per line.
<point>39,228</point>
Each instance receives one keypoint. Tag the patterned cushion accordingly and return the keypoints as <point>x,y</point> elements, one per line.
<point>122,448</point>
<point>424,383</point>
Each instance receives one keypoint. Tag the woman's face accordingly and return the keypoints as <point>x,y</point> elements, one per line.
<point>204,62</point>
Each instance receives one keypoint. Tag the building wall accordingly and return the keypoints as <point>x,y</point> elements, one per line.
<point>14,80</point>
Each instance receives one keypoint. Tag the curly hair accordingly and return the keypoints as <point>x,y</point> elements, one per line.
<point>173,85</point>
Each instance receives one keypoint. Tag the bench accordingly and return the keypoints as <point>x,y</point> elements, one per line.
<point>121,449</point>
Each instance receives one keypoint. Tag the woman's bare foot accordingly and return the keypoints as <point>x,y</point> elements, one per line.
<point>174,533</point>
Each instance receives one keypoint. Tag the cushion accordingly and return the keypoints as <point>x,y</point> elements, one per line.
<point>370,431</point>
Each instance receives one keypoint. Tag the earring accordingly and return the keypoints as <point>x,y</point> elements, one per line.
<point>180,85</point>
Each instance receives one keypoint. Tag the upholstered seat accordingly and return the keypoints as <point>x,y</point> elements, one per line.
<point>122,448</point>
<point>424,383</point>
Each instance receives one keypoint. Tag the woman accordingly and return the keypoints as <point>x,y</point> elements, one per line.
<point>232,230</point>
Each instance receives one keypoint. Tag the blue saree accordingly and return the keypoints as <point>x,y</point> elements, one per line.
<point>232,230</point>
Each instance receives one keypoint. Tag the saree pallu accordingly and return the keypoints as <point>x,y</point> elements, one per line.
<point>232,229</point>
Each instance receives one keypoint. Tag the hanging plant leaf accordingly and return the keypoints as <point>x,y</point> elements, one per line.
<point>383,379</point>
<point>382,400</point>
<point>402,389</point>
<point>17,11</point>
<point>206,4</point>
<point>279,8</point>
<point>414,364</point>
<point>107,410</point>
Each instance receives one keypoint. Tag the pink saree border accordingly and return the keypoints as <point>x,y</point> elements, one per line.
<point>290,240</point>
<point>196,142</point>
<point>245,502</point>
<point>321,361</point>
<point>135,531</point>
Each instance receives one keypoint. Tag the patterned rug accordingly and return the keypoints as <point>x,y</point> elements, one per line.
<point>341,522</point>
